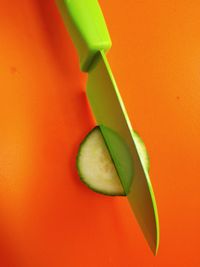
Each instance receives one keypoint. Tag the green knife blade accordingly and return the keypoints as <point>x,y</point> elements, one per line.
<point>87,27</point>
<point>109,110</point>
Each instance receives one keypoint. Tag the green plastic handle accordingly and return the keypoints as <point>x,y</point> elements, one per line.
<point>87,27</point>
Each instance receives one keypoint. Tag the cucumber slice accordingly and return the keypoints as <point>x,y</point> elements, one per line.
<point>95,165</point>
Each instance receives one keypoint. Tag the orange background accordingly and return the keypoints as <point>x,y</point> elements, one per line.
<point>47,216</point>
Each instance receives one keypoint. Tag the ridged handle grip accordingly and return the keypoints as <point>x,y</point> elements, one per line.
<point>87,27</point>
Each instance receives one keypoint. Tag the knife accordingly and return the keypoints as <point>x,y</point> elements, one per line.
<point>87,27</point>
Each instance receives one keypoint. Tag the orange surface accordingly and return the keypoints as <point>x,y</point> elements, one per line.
<point>47,216</point>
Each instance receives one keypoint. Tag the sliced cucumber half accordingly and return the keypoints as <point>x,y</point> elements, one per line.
<point>95,165</point>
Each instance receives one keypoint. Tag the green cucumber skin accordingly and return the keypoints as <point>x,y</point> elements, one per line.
<point>96,128</point>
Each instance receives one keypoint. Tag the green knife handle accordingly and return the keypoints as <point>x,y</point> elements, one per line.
<point>87,27</point>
